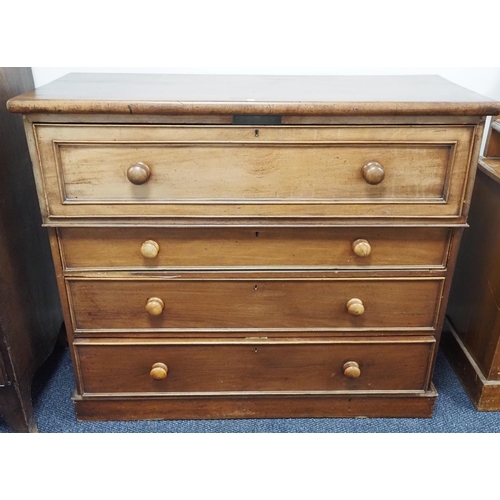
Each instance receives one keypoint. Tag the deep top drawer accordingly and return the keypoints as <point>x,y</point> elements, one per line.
<point>239,171</point>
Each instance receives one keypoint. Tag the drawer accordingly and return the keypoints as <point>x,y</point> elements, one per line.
<point>126,367</point>
<point>285,247</point>
<point>246,304</point>
<point>236,171</point>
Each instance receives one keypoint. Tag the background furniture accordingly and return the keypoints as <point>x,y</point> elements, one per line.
<point>30,311</point>
<point>472,338</point>
<point>241,247</point>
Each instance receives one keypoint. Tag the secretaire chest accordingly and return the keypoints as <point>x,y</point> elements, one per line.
<point>243,246</point>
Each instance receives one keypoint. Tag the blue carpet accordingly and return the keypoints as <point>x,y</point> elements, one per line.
<point>54,383</point>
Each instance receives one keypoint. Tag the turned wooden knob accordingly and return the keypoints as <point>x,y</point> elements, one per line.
<point>159,371</point>
<point>138,173</point>
<point>361,248</point>
<point>351,369</point>
<point>355,307</point>
<point>373,172</point>
<point>154,306</point>
<point>150,249</point>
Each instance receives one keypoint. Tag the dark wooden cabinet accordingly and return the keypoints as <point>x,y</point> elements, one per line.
<point>472,338</point>
<point>30,311</point>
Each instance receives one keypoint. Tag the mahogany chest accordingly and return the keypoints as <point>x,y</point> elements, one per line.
<point>251,246</point>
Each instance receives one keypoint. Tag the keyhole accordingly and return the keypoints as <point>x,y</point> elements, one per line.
<point>255,350</point>
<point>256,287</point>
<point>257,234</point>
<point>256,133</point>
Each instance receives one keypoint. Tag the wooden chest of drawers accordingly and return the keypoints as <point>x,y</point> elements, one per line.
<point>238,247</point>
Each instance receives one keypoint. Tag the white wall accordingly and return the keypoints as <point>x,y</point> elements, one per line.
<point>485,81</point>
<point>257,37</point>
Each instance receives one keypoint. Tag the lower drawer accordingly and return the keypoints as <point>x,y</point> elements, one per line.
<point>109,367</point>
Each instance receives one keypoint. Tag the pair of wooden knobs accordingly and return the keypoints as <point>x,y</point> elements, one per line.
<point>155,306</point>
<point>139,173</point>
<point>159,371</point>
<point>150,249</point>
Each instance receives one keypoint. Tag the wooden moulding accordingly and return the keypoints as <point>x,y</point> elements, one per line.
<point>252,248</point>
<point>262,108</point>
<point>283,302</point>
<point>237,222</point>
<point>229,119</point>
<point>68,193</point>
<point>484,393</point>
<point>273,406</point>
<point>121,368</point>
<point>133,94</point>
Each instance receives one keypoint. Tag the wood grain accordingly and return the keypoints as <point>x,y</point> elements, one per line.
<point>284,171</point>
<point>257,247</point>
<point>399,405</point>
<point>254,367</point>
<point>100,118</point>
<point>252,94</point>
<point>255,304</point>
<point>472,336</point>
<point>247,235</point>
<point>475,296</point>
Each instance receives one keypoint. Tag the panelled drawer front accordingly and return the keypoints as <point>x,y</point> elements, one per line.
<point>248,171</point>
<point>111,248</point>
<point>222,367</point>
<point>240,304</point>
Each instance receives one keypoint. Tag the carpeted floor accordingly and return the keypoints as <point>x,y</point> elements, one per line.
<point>454,412</point>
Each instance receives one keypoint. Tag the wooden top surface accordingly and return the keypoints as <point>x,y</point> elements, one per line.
<point>253,94</point>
